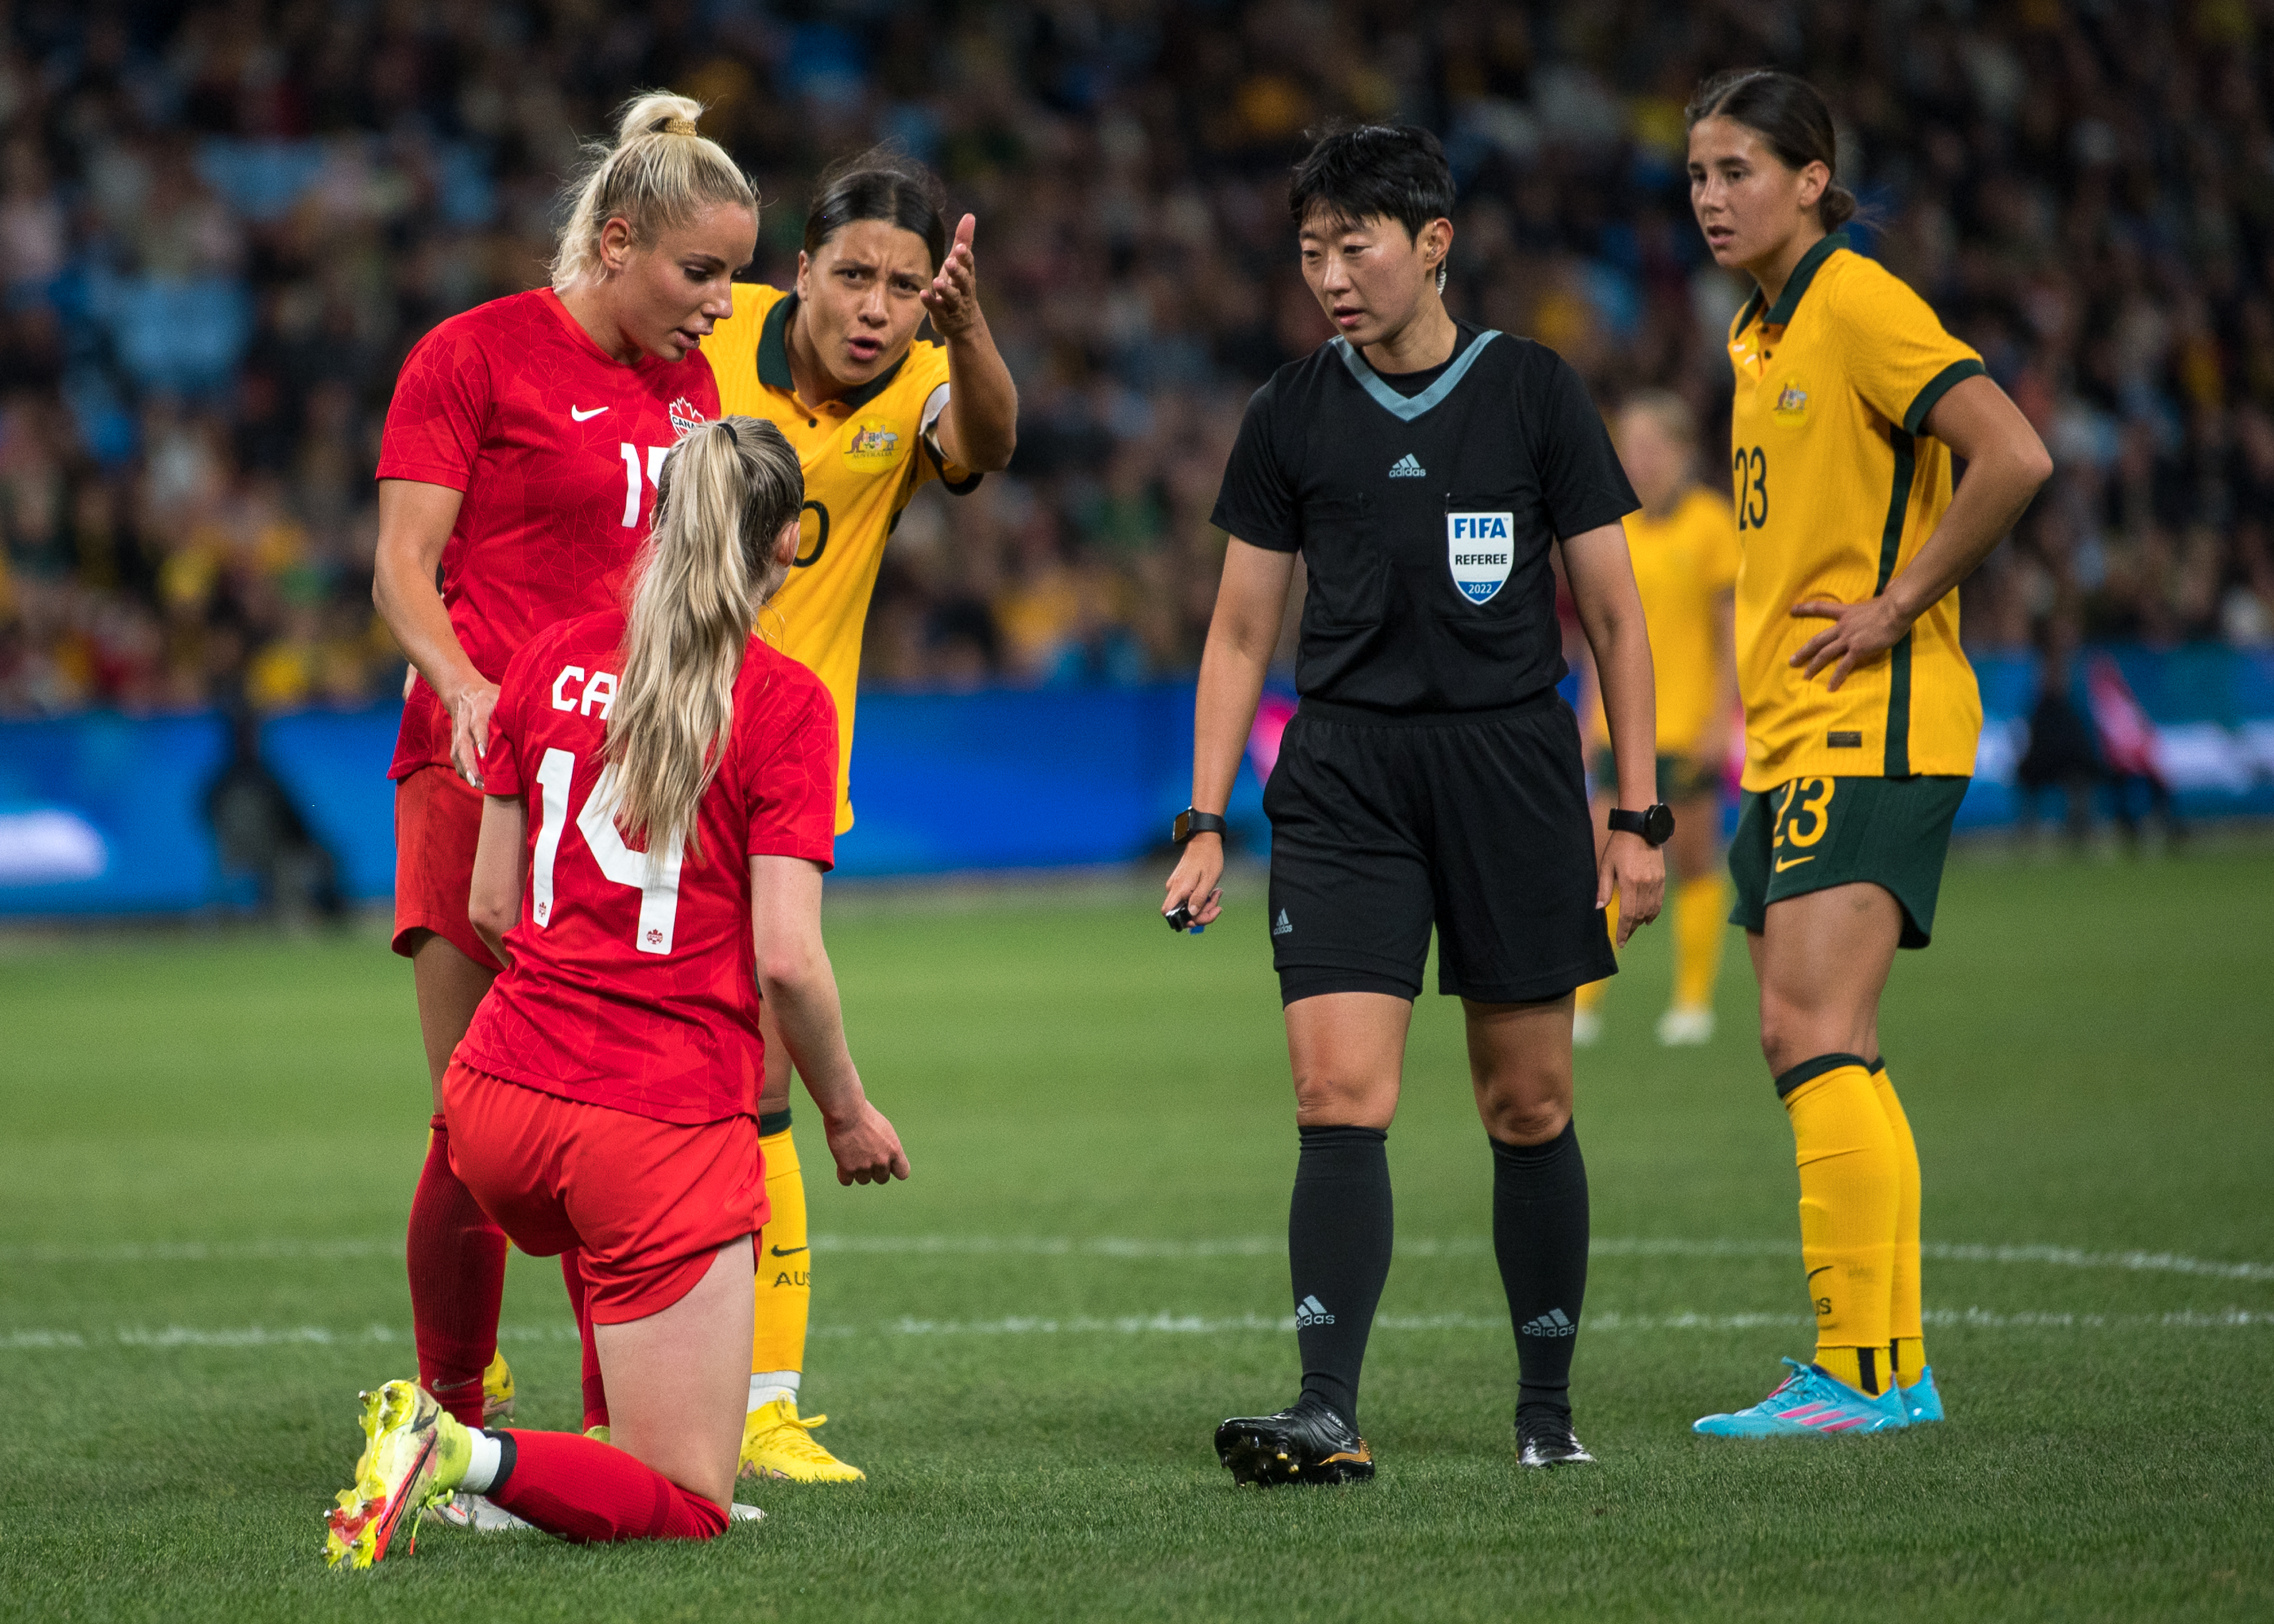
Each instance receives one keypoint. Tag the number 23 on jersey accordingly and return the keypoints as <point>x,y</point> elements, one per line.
<point>1749,473</point>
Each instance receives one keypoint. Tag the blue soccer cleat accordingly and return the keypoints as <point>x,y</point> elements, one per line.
<point>1809,1403</point>
<point>1922,1401</point>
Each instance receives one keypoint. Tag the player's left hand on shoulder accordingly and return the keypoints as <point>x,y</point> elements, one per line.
<point>953,296</point>
<point>1858,632</point>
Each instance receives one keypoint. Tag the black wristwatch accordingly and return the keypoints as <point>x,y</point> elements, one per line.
<point>1190,822</point>
<point>1654,824</point>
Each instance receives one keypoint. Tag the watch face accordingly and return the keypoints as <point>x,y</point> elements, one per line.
<point>1658,824</point>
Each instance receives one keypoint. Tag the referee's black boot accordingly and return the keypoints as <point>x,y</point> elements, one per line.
<point>1307,1443</point>
<point>1544,1438</point>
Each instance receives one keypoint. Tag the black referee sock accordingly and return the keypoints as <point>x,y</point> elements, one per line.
<point>1338,1232</point>
<point>1539,1235</point>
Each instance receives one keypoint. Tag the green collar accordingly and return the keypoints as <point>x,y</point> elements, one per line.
<point>773,360</point>
<point>1794,285</point>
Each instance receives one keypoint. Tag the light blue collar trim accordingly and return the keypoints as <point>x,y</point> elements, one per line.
<point>1406,408</point>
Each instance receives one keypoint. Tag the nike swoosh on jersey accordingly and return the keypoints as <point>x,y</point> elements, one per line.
<point>790,1251</point>
<point>1791,862</point>
<point>580,416</point>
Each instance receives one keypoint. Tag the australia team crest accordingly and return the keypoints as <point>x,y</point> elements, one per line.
<point>872,443</point>
<point>1479,548</point>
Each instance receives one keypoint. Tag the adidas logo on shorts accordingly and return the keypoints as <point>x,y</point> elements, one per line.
<point>1280,926</point>
<point>1550,1323</point>
<point>1407,468</point>
<point>1310,1311</point>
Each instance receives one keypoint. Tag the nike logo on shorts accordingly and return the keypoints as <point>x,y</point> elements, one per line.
<point>1791,862</point>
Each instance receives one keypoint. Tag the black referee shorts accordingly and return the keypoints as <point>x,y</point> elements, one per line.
<point>1383,825</point>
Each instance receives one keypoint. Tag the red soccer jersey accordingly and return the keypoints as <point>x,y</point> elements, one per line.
<point>633,984</point>
<point>557,447</point>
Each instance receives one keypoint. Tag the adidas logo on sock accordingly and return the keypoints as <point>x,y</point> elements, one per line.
<point>1406,467</point>
<point>1280,926</point>
<point>1310,1311</point>
<point>1550,1323</point>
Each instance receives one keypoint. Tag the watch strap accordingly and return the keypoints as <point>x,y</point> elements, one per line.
<point>1654,824</point>
<point>1190,822</point>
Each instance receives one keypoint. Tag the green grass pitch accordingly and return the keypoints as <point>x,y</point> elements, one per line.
<point>211,1139</point>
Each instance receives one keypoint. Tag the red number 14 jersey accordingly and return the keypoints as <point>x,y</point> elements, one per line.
<point>633,982</point>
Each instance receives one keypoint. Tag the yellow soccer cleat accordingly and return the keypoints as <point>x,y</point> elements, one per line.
<point>415,1455</point>
<point>497,1392</point>
<point>778,1443</point>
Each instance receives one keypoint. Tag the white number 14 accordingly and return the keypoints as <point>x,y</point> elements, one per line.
<point>655,875</point>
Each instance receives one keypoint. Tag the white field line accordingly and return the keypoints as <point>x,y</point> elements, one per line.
<point>1109,1246</point>
<point>1610,1322</point>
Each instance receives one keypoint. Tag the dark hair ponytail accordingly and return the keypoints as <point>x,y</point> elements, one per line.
<point>881,183</point>
<point>1787,113</point>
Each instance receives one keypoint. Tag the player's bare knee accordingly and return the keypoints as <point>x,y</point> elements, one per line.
<point>1336,1099</point>
<point>1525,1122</point>
<point>1524,1104</point>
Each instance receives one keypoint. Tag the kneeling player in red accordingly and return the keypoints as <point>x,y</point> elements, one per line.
<point>662,790</point>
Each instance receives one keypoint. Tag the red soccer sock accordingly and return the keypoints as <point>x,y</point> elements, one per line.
<point>589,1492</point>
<point>456,1258</point>
<point>596,1391</point>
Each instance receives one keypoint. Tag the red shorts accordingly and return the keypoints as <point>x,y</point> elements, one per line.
<point>649,1201</point>
<point>438,823</point>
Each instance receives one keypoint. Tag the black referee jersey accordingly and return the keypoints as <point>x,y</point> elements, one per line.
<point>1424,504</point>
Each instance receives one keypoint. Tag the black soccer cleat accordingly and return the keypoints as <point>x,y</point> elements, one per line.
<point>1307,1443</point>
<point>1544,1438</point>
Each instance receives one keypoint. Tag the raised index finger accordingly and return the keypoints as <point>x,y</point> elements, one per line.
<point>965,228</point>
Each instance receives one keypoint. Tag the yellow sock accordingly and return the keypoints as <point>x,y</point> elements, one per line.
<point>785,1281</point>
<point>1588,997</point>
<point>1701,924</point>
<point>1906,1329</point>
<point>1848,1193</point>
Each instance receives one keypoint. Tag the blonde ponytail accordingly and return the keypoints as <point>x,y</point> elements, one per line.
<point>659,172</point>
<point>727,489</point>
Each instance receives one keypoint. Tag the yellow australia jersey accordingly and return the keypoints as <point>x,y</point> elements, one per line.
<point>863,457</point>
<point>1836,486</point>
<point>1683,564</point>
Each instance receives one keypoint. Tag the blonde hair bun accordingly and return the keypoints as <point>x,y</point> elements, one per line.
<point>659,172</point>
<point>659,112</point>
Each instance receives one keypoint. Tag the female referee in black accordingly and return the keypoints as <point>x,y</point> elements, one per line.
<point>1423,467</point>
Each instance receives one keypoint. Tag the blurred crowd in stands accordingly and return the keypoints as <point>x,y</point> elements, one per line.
<point>222,225</point>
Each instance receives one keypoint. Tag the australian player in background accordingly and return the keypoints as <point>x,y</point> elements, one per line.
<point>518,473</point>
<point>1425,469</point>
<point>874,412</point>
<point>649,866</point>
<point>1683,547</point>
<point>1860,734</point>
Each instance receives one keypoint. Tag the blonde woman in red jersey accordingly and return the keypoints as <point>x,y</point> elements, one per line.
<point>519,465</point>
<point>662,794</point>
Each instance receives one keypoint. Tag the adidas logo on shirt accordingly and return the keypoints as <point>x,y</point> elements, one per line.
<point>1310,1311</point>
<point>1280,926</point>
<point>1550,1323</point>
<point>1406,467</point>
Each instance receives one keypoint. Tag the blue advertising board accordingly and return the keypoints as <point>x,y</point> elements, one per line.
<point>103,815</point>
